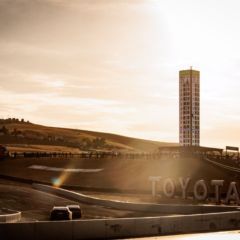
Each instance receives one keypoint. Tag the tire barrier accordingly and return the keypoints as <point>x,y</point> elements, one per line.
<point>143,207</point>
<point>9,216</point>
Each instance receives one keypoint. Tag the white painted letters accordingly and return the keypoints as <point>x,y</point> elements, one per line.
<point>169,188</point>
<point>154,181</point>
<point>200,195</point>
<point>200,189</point>
<point>232,193</point>
<point>217,184</point>
<point>184,185</point>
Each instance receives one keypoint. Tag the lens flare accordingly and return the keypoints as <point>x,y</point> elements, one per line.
<point>58,181</point>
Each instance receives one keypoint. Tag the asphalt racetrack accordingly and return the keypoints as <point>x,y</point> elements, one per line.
<point>36,205</point>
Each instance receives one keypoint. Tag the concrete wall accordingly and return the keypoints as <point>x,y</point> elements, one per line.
<point>120,228</point>
<point>10,216</point>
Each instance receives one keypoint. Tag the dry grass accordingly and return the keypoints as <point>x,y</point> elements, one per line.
<point>73,135</point>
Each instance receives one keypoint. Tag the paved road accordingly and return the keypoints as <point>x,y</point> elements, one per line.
<point>36,205</point>
<point>229,235</point>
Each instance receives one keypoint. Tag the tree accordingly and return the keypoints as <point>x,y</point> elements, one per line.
<point>98,142</point>
<point>15,132</point>
<point>4,130</point>
<point>86,143</point>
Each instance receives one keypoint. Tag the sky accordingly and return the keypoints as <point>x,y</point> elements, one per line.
<point>112,65</point>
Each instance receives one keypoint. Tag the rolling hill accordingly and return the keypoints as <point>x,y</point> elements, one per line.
<point>26,136</point>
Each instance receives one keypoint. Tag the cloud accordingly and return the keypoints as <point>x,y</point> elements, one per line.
<point>113,65</point>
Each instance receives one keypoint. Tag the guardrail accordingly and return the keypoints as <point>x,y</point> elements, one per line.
<point>9,216</point>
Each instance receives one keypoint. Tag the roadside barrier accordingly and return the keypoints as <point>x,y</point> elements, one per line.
<point>120,227</point>
<point>9,216</point>
<point>144,207</point>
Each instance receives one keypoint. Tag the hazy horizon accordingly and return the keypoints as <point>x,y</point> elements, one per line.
<point>112,66</point>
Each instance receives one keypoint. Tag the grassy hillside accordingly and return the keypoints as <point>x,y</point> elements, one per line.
<point>117,174</point>
<point>23,135</point>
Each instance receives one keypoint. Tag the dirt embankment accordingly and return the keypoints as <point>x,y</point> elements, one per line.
<point>116,174</point>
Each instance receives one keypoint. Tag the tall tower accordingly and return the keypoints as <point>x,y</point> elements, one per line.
<point>189,107</point>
